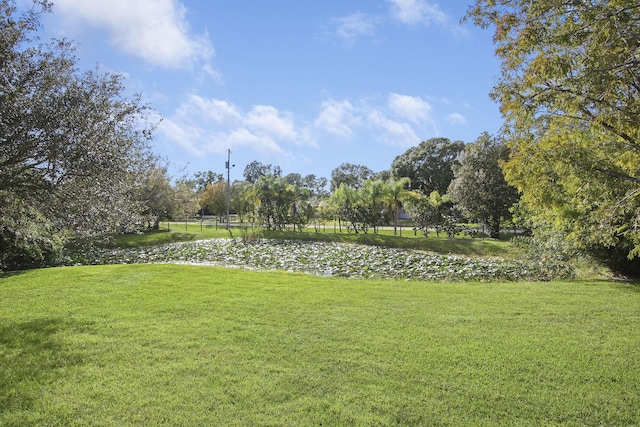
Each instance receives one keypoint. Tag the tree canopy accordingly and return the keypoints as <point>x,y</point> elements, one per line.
<point>350,174</point>
<point>72,144</point>
<point>570,95</point>
<point>428,165</point>
<point>254,170</point>
<point>479,188</point>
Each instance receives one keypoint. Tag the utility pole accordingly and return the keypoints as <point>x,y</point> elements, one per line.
<point>228,165</point>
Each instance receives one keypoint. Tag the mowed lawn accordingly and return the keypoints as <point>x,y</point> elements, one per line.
<point>189,345</point>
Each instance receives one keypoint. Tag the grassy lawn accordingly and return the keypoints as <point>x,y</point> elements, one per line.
<point>186,345</point>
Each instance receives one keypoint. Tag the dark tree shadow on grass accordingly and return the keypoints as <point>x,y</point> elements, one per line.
<point>5,274</point>
<point>32,355</point>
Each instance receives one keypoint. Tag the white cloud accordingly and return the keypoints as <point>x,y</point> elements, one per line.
<point>417,12</point>
<point>350,28</point>
<point>207,125</point>
<point>185,137</point>
<point>412,108</point>
<point>202,125</point>
<point>267,120</point>
<point>396,123</point>
<point>155,30</point>
<point>211,110</point>
<point>260,143</point>
<point>392,132</point>
<point>337,118</point>
<point>456,119</point>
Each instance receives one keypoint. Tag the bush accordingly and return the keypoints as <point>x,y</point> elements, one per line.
<point>27,238</point>
<point>20,250</point>
<point>549,252</point>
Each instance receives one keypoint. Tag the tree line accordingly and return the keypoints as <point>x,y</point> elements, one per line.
<point>438,184</point>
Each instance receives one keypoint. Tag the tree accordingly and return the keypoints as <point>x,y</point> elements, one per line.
<point>202,179</point>
<point>433,211</point>
<point>214,198</point>
<point>156,194</point>
<point>302,209</point>
<point>384,175</point>
<point>479,188</point>
<point>73,146</point>
<point>317,186</point>
<point>185,197</point>
<point>345,202</point>
<point>428,165</point>
<point>277,198</point>
<point>255,170</point>
<point>294,179</point>
<point>395,193</point>
<point>570,95</point>
<point>241,203</point>
<point>164,200</point>
<point>349,174</point>
<point>373,196</point>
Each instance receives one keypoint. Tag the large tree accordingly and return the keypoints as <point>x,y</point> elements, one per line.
<point>202,179</point>
<point>254,170</point>
<point>316,185</point>
<point>479,188</point>
<point>72,146</point>
<point>214,198</point>
<point>428,165</point>
<point>570,95</point>
<point>350,174</point>
<point>156,194</point>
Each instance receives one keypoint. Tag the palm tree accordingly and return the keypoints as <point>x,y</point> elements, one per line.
<point>395,193</point>
<point>373,193</point>
<point>344,202</point>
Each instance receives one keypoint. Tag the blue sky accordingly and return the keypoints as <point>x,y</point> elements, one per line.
<point>305,85</point>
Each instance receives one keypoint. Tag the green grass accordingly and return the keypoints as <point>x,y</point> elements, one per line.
<point>163,236</point>
<point>441,245</point>
<point>185,345</point>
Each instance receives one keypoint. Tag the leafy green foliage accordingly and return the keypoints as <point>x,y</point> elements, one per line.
<point>254,170</point>
<point>27,239</point>
<point>428,165</point>
<point>570,94</point>
<point>162,200</point>
<point>72,146</point>
<point>479,188</point>
<point>349,209</point>
<point>281,204</point>
<point>432,213</point>
<point>350,174</point>
<point>214,198</point>
<point>202,179</point>
<point>242,201</point>
<point>372,204</point>
<point>395,193</point>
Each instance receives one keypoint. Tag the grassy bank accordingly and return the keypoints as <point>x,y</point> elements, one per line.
<point>184,345</point>
<point>462,245</point>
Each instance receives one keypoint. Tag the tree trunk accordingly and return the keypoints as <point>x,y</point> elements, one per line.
<point>395,219</point>
<point>494,228</point>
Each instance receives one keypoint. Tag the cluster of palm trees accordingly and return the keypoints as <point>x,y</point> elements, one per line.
<point>277,204</point>
<point>375,203</point>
